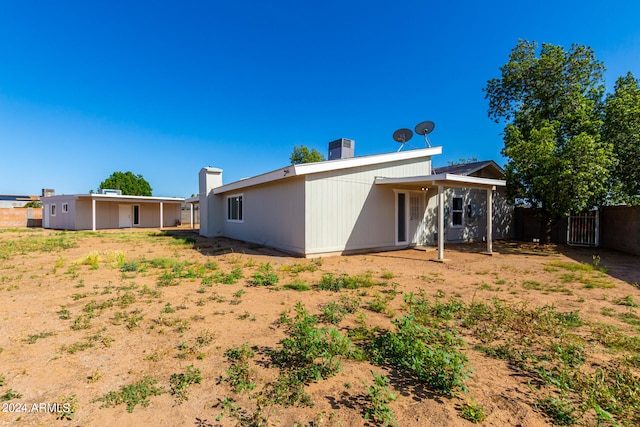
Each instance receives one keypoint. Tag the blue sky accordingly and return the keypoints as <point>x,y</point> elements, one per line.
<point>164,88</point>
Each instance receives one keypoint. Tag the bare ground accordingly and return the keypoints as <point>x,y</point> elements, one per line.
<point>37,287</point>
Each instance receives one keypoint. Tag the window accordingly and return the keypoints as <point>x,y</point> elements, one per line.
<point>234,208</point>
<point>402,218</point>
<point>53,210</point>
<point>65,207</point>
<point>136,214</point>
<point>457,212</point>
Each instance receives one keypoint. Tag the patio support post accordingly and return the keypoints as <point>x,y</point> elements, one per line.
<point>191,209</point>
<point>441,222</point>
<point>161,216</point>
<point>93,214</point>
<point>489,220</point>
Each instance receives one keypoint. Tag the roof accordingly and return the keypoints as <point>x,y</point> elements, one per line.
<point>469,168</point>
<point>18,198</point>
<point>115,198</point>
<point>291,171</point>
<point>445,179</point>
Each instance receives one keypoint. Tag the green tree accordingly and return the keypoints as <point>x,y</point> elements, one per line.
<point>551,104</point>
<point>130,184</point>
<point>302,154</point>
<point>622,129</point>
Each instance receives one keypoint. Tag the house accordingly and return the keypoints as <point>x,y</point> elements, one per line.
<point>17,200</point>
<point>110,210</point>
<point>357,204</point>
<point>19,211</point>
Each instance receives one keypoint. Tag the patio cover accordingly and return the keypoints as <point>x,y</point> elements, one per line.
<point>448,180</point>
<point>129,199</point>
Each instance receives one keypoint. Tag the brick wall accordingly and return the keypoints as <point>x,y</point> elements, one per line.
<point>620,228</point>
<point>20,217</point>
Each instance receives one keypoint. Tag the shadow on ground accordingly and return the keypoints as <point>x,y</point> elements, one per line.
<point>619,265</point>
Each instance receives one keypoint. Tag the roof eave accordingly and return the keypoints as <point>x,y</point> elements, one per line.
<point>326,166</point>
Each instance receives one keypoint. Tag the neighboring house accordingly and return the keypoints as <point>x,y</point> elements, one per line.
<point>357,204</point>
<point>103,211</point>
<point>16,201</point>
<point>14,213</point>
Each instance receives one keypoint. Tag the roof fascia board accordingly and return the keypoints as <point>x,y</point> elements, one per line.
<point>326,166</point>
<point>126,198</point>
<point>445,179</point>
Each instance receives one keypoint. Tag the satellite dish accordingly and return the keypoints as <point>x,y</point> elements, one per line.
<point>402,136</point>
<point>425,128</point>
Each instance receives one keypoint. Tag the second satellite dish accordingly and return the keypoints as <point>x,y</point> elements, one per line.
<point>402,136</point>
<point>425,128</point>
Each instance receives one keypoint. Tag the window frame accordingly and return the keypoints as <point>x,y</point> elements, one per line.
<point>239,209</point>
<point>65,207</point>
<point>455,211</point>
<point>52,209</point>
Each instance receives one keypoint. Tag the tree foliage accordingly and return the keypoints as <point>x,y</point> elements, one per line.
<point>622,129</point>
<point>302,154</point>
<point>551,103</point>
<point>130,184</point>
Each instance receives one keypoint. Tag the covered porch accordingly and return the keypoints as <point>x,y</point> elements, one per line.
<point>444,181</point>
<point>120,211</point>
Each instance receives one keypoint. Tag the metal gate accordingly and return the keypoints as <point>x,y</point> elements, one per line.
<point>583,229</point>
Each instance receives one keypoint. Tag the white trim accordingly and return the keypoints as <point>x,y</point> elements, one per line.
<point>115,198</point>
<point>326,166</point>
<point>445,179</point>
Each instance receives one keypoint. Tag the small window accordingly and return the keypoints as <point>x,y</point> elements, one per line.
<point>234,208</point>
<point>457,212</point>
<point>53,210</point>
<point>65,207</point>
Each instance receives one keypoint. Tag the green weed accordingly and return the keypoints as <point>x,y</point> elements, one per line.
<point>240,375</point>
<point>473,412</point>
<point>560,411</point>
<point>297,285</point>
<point>33,338</point>
<point>10,395</point>
<point>180,383</point>
<point>265,276</point>
<point>330,282</point>
<point>379,396</point>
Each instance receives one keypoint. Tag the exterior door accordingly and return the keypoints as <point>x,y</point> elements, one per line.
<point>136,214</point>
<point>401,218</point>
<point>46,216</point>
<point>416,224</point>
<point>124,216</point>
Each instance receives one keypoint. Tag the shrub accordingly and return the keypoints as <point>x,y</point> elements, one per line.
<point>428,356</point>
<point>311,352</point>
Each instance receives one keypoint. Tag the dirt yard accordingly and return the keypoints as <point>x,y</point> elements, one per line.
<point>95,325</point>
